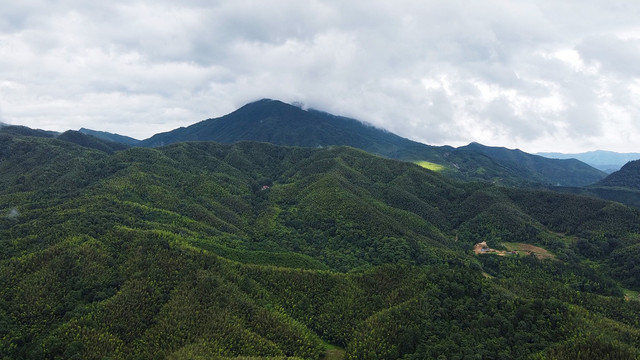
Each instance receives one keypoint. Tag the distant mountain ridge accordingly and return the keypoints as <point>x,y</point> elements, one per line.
<point>607,161</point>
<point>92,142</point>
<point>76,137</point>
<point>27,131</point>
<point>541,169</point>
<point>279,123</point>
<point>111,136</point>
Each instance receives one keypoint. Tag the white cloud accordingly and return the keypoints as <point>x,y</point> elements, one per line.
<point>539,75</point>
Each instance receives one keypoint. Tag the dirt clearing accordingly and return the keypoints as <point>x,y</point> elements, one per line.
<point>514,249</point>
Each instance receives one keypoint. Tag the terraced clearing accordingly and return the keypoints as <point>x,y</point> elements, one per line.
<point>514,249</point>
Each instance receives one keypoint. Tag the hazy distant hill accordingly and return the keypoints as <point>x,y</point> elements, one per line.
<point>541,169</point>
<point>111,137</point>
<point>279,123</point>
<point>607,161</point>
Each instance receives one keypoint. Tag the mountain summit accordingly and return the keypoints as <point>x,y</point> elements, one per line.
<point>279,123</point>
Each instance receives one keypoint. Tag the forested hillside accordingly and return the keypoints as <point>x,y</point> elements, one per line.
<point>275,122</point>
<point>628,176</point>
<point>622,186</point>
<point>126,140</point>
<point>203,250</point>
<point>91,141</point>
<point>538,169</point>
<point>607,161</point>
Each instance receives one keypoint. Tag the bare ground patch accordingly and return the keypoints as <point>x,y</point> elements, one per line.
<point>514,249</point>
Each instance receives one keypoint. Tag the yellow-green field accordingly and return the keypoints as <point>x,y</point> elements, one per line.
<point>431,166</point>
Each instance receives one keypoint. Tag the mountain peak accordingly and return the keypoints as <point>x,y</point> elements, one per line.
<point>276,122</point>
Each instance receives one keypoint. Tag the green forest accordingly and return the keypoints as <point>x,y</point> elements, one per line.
<point>200,250</point>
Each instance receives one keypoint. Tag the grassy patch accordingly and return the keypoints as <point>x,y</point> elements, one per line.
<point>431,166</point>
<point>333,352</point>
<point>631,295</point>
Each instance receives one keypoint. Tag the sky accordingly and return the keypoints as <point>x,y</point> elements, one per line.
<point>539,75</point>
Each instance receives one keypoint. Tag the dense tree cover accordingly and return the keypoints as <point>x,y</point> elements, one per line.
<point>628,176</point>
<point>126,140</point>
<point>557,172</point>
<point>275,122</point>
<point>622,186</point>
<point>90,141</point>
<point>202,250</point>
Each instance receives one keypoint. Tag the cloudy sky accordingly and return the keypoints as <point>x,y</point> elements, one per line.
<point>539,75</point>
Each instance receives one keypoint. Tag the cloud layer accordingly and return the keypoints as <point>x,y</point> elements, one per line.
<point>538,75</point>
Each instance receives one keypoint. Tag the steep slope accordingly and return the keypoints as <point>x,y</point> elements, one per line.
<point>204,250</point>
<point>622,186</point>
<point>565,172</point>
<point>628,176</point>
<point>111,137</point>
<point>279,123</point>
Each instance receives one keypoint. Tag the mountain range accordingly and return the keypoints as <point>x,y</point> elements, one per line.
<point>203,250</point>
<point>279,123</point>
<point>275,122</point>
<point>607,161</point>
